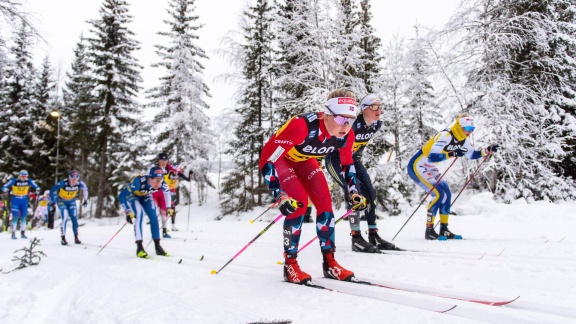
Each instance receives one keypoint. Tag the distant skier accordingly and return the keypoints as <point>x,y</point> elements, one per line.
<point>364,128</point>
<point>42,209</point>
<point>293,175</point>
<point>64,194</point>
<point>19,188</point>
<point>160,197</point>
<point>136,200</point>
<point>449,143</point>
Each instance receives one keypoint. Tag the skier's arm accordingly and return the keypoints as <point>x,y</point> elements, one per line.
<point>437,153</point>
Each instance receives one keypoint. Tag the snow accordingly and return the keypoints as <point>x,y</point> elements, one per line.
<point>519,249</point>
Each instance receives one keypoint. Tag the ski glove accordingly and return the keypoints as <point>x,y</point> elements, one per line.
<point>358,202</point>
<point>493,148</point>
<point>457,152</point>
<point>287,205</point>
<point>129,216</point>
<point>85,203</point>
<point>170,211</point>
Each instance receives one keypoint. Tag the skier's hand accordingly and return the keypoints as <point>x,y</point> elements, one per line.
<point>457,152</point>
<point>170,211</point>
<point>85,203</point>
<point>287,205</point>
<point>358,202</point>
<point>129,216</point>
<point>493,148</point>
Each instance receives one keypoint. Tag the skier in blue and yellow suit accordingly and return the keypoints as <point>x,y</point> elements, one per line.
<point>64,194</point>
<point>136,200</point>
<point>449,143</point>
<point>19,188</point>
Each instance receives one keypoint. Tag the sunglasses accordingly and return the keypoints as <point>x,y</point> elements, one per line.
<point>469,128</point>
<point>341,120</point>
<point>375,107</point>
<point>75,176</point>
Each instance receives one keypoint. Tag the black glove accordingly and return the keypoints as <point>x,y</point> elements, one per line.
<point>457,152</point>
<point>129,216</point>
<point>493,148</point>
<point>358,202</point>
<point>287,205</point>
<point>85,203</point>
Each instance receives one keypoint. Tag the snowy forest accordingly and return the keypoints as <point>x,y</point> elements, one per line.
<point>509,63</point>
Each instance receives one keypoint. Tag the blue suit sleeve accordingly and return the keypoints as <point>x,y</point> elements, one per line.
<point>8,185</point>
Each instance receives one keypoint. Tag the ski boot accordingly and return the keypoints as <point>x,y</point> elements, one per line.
<point>76,240</point>
<point>63,240</point>
<point>431,233</point>
<point>140,250</point>
<point>174,228</point>
<point>292,271</point>
<point>159,249</point>
<point>380,243</point>
<point>359,244</point>
<point>165,233</point>
<point>308,216</point>
<point>445,232</point>
<point>14,235</point>
<point>333,270</point>
<point>23,235</point>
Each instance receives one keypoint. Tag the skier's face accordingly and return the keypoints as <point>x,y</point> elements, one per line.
<point>338,125</point>
<point>155,183</point>
<point>372,113</point>
<point>162,163</point>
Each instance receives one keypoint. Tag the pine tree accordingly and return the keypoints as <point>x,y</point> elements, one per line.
<point>42,155</point>
<point>243,187</point>
<point>18,95</point>
<point>117,74</point>
<point>186,135</point>
<point>370,44</point>
<point>80,111</point>
<point>510,76</point>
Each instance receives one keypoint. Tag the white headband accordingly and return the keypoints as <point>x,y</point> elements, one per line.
<point>341,106</point>
<point>369,100</point>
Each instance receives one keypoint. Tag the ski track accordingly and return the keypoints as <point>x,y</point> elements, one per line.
<point>73,285</point>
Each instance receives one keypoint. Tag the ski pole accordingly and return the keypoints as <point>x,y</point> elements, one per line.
<point>113,236</point>
<point>467,182</point>
<point>249,243</point>
<point>267,209</point>
<point>295,204</point>
<point>337,221</point>
<point>423,200</point>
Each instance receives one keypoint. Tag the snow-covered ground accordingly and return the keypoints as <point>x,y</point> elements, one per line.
<point>511,250</point>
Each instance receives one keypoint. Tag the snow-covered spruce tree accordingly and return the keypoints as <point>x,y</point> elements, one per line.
<point>563,48</point>
<point>18,98</point>
<point>79,118</point>
<point>117,74</point>
<point>313,55</point>
<point>390,180</point>
<point>42,156</point>
<point>504,49</point>
<point>185,132</point>
<point>370,44</point>
<point>243,187</point>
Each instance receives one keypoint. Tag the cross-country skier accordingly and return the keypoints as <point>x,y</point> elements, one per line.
<point>288,164</point>
<point>160,198</point>
<point>42,209</point>
<point>364,128</point>
<point>64,194</point>
<point>19,188</point>
<point>136,200</point>
<point>449,143</point>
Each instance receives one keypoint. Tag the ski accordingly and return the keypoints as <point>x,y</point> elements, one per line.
<point>438,307</point>
<point>485,300</point>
